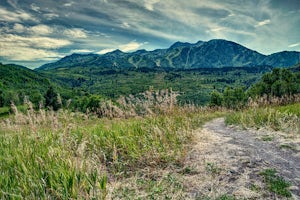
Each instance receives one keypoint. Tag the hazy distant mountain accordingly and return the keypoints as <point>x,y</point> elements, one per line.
<point>211,54</point>
<point>282,59</point>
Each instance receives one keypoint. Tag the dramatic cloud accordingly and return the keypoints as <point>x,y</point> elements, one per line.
<point>41,30</point>
<point>18,16</point>
<point>81,51</point>
<point>124,47</point>
<point>130,46</point>
<point>104,51</point>
<point>45,30</point>
<point>75,33</point>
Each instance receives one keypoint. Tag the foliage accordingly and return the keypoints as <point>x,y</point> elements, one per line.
<point>52,99</point>
<point>1,99</point>
<point>194,85</point>
<point>278,83</point>
<point>17,82</point>
<point>280,86</point>
<point>66,155</point>
<point>216,99</point>
<point>276,183</point>
<point>277,118</point>
<point>234,98</point>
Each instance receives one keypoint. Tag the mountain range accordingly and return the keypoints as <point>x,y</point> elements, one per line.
<point>215,53</point>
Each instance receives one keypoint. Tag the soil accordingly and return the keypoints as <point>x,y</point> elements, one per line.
<point>228,161</point>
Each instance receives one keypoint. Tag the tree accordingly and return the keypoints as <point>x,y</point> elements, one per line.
<point>216,99</point>
<point>278,83</point>
<point>234,98</point>
<point>51,99</point>
<point>1,99</point>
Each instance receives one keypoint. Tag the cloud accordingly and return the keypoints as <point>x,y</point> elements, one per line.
<point>124,47</point>
<point>75,33</point>
<point>81,51</point>
<point>13,3</point>
<point>51,27</point>
<point>149,4</point>
<point>51,16</point>
<point>263,23</point>
<point>212,12</point>
<point>35,8</point>
<point>104,51</point>
<point>294,45</point>
<point>217,29</point>
<point>41,30</point>
<point>130,46</point>
<point>11,40</point>
<point>28,54</point>
<point>33,30</point>
<point>16,16</point>
<point>69,4</point>
<point>19,28</point>
<point>125,25</point>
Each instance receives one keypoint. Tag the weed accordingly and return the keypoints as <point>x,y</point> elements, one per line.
<point>267,138</point>
<point>67,155</point>
<point>275,183</point>
<point>277,118</point>
<point>226,197</point>
<point>212,169</point>
<point>288,146</point>
<point>255,187</point>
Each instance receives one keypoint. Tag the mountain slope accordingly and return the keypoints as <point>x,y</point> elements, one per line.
<point>282,59</point>
<point>211,54</point>
<point>16,82</point>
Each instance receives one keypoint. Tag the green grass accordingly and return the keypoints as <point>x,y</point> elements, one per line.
<point>279,118</point>
<point>4,112</point>
<point>267,138</point>
<point>291,109</point>
<point>65,155</point>
<point>275,183</point>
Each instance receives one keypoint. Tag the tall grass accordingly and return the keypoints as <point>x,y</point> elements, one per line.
<point>66,155</point>
<point>280,118</point>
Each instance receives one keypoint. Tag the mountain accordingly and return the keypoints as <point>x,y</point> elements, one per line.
<point>295,68</point>
<point>282,59</point>
<point>212,54</point>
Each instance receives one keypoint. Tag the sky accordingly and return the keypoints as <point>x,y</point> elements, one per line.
<point>35,32</point>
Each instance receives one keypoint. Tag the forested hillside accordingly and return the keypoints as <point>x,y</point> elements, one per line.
<point>16,82</point>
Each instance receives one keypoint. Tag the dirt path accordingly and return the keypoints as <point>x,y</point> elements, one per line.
<point>228,161</point>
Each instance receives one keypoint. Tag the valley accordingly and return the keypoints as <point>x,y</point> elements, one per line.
<point>118,127</point>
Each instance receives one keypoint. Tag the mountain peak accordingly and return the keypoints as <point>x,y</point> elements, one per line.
<point>117,51</point>
<point>214,53</point>
<point>180,44</point>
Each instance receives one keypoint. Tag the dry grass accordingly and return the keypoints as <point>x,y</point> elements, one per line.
<point>65,155</point>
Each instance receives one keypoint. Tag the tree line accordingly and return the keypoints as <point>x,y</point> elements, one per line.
<point>278,83</point>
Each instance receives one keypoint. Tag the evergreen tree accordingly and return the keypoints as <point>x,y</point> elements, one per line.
<point>51,99</point>
<point>216,99</point>
<point>1,99</point>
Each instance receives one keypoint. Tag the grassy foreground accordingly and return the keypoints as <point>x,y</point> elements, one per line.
<point>66,155</point>
<point>280,118</point>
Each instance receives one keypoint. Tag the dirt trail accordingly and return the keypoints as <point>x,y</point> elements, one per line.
<point>227,160</point>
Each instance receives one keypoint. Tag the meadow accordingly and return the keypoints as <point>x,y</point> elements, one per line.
<point>72,155</point>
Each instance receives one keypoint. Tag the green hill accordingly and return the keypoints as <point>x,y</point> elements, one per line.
<point>16,82</point>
